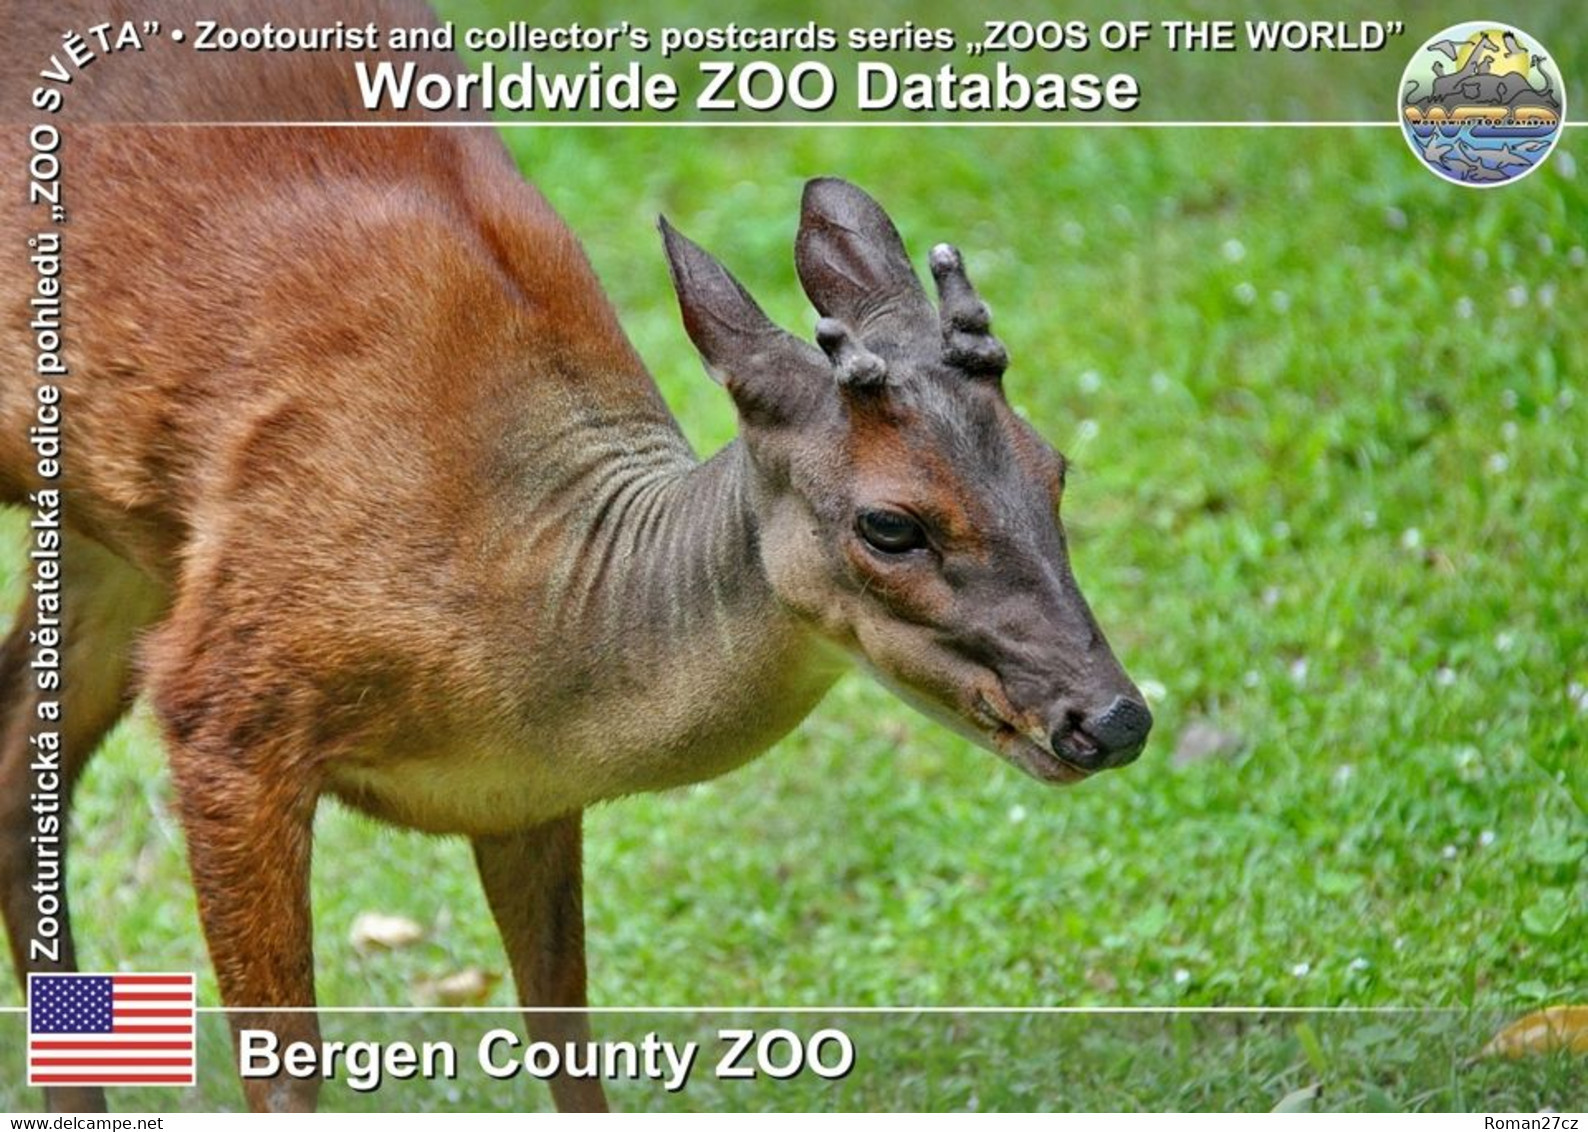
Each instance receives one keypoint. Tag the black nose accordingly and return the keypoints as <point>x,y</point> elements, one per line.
<point>1111,738</point>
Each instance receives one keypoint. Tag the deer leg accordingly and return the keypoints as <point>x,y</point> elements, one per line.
<point>533,881</point>
<point>248,837</point>
<point>105,603</point>
<point>247,783</point>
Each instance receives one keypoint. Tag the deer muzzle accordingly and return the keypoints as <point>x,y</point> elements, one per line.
<point>1112,737</point>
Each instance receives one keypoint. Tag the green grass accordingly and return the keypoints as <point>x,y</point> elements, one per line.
<point>1328,415</point>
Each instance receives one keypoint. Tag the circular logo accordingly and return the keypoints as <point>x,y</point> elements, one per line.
<point>1482,104</point>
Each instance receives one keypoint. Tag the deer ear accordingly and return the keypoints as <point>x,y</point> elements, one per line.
<point>853,265</point>
<point>766,369</point>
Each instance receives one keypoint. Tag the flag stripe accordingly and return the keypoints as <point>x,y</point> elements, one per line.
<point>110,1079</point>
<point>152,1017</point>
<point>151,996</point>
<point>45,1045</point>
<point>92,1061</point>
<point>154,1029</point>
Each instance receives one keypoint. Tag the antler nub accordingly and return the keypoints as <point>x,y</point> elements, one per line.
<point>967,339</point>
<point>855,366</point>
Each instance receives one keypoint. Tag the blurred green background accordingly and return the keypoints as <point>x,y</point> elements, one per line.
<point>1329,419</point>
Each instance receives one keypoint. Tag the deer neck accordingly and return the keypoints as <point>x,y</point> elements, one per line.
<point>659,603</point>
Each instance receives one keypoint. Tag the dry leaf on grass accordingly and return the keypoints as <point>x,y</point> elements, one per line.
<point>1200,740</point>
<point>376,931</point>
<point>468,987</point>
<point>1551,1030</point>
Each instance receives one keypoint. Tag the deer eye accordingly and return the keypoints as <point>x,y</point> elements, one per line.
<point>890,532</point>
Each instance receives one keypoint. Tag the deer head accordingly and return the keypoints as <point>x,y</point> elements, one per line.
<point>905,511</point>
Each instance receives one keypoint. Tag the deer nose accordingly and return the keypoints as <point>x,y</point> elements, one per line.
<point>1111,738</point>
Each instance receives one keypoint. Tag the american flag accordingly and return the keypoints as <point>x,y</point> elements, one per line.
<point>110,1030</point>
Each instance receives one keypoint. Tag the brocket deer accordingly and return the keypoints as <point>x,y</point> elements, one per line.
<point>367,491</point>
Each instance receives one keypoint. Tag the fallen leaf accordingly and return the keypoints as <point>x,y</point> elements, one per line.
<point>1551,1030</point>
<point>1302,1100</point>
<point>376,931</point>
<point>468,987</point>
<point>1200,740</point>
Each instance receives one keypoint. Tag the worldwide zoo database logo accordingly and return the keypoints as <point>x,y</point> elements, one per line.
<point>1482,104</point>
